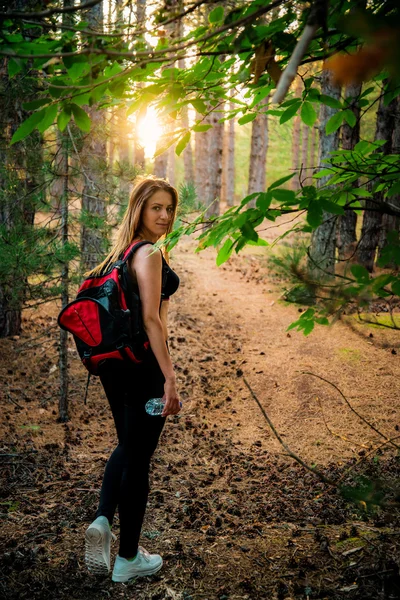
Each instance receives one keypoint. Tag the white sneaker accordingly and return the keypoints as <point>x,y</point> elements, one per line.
<point>143,564</point>
<point>97,546</point>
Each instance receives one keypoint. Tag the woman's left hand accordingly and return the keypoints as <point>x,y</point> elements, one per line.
<point>172,405</point>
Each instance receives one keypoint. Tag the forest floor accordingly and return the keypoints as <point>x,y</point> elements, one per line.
<point>232,514</point>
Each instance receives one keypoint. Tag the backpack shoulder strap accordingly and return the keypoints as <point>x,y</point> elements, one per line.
<point>132,249</point>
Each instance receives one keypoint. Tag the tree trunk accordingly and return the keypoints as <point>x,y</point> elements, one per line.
<point>256,147</point>
<point>160,163</point>
<point>346,231</point>
<point>63,352</point>
<point>313,154</point>
<point>214,165</point>
<point>188,152</point>
<point>265,139</point>
<point>201,162</point>
<point>171,162</point>
<point>390,222</point>
<point>139,158</point>
<point>321,260</point>
<point>372,221</point>
<point>305,131</point>
<point>296,141</point>
<point>94,166</point>
<point>20,177</point>
<point>258,153</point>
<point>230,161</point>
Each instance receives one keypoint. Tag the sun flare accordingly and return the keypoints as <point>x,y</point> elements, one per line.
<point>149,131</point>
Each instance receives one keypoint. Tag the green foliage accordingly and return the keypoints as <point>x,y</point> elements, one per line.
<point>188,200</point>
<point>144,74</point>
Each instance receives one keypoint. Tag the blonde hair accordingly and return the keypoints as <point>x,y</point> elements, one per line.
<point>132,220</point>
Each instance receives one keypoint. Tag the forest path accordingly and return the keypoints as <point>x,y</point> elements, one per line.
<point>232,515</point>
<point>239,323</point>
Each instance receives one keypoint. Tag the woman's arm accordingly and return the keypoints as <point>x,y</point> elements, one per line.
<point>147,266</point>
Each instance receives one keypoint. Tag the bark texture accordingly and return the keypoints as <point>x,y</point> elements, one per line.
<point>214,165</point>
<point>188,152</point>
<point>20,183</point>
<point>63,351</point>
<point>202,143</point>
<point>372,221</point>
<point>296,141</point>
<point>313,154</point>
<point>321,261</point>
<point>391,222</point>
<point>230,160</point>
<point>346,232</point>
<point>305,134</point>
<point>258,153</point>
<point>94,166</point>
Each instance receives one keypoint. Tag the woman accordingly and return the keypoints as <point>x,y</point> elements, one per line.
<point>150,215</point>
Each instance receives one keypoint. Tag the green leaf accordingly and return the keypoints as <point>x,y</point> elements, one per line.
<point>283,195</point>
<point>280,181</point>
<point>225,252</point>
<point>200,128</point>
<point>396,287</point>
<point>314,214</point>
<point>394,190</point>
<point>260,95</point>
<point>248,198</point>
<point>329,101</point>
<point>200,106</point>
<point>334,123</point>
<point>259,242</point>
<point>35,104</point>
<point>247,118</point>
<point>14,66</point>
<point>81,118</point>
<point>64,118</point>
<point>308,114</point>
<point>290,112</point>
<point>248,232</point>
<point>263,201</point>
<point>49,118</point>
<point>323,173</point>
<point>183,142</point>
<point>308,326</point>
<point>360,273</point>
<point>78,68</point>
<point>216,15</point>
<point>350,117</point>
<point>331,207</point>
<point>27,126</point>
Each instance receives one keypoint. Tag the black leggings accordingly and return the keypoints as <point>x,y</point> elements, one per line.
<point>126,476</point>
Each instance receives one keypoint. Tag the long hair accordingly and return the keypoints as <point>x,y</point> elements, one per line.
<point>132,220</point>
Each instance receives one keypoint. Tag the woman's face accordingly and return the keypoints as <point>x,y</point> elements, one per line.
<point>157,214</point>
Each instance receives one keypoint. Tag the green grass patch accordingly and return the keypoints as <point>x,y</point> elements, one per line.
<point>381,320</point>
<point>350,354</point>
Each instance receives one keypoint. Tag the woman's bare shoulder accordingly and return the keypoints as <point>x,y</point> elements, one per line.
<point>147,256</point>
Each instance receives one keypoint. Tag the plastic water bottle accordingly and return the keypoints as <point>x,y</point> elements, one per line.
<point>155,406</point>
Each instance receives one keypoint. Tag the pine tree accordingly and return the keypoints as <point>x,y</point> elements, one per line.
<point>323,239</point>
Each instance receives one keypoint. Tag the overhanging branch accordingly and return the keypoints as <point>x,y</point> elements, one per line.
<point>50,11</point>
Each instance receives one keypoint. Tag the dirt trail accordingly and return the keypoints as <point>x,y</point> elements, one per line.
<point>233,516</point>
<point>244,325</point>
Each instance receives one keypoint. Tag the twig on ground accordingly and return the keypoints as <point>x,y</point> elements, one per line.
<point>13,401</point>
<point>341,437</point>
<point>280,440</point>
<point>388,440</point>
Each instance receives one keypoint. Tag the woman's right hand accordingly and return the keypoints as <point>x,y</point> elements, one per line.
<point>172,405</point>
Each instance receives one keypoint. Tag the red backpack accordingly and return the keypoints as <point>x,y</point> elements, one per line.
<point>99,318</point>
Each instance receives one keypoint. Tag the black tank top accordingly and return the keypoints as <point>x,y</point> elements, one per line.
<point>169,281</point>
